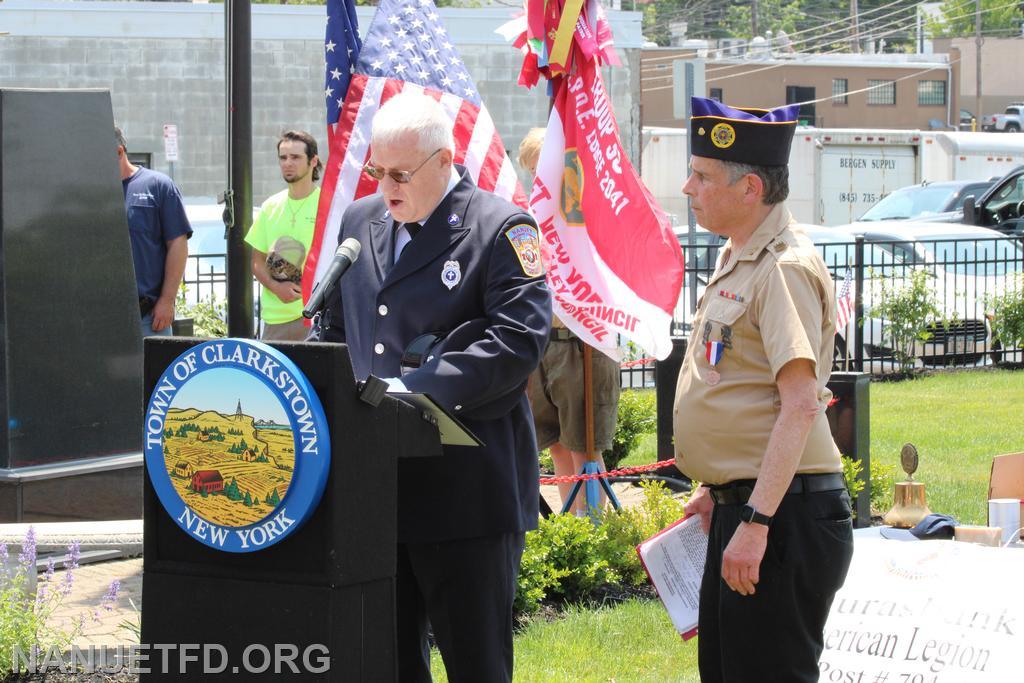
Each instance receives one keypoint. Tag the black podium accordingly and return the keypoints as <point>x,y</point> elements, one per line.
<point>329,584</point>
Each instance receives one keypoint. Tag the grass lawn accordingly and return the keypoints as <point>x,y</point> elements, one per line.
<point>633,641</point>
<point>957,420</point>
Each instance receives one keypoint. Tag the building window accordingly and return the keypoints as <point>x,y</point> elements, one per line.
<point>881,92</point>
<point>716,94</point>
<point>931,92</point>
<point>840,86</point>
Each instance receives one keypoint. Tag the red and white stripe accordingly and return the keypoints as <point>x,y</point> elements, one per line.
<point>844,301</point>
<point>477,146</point>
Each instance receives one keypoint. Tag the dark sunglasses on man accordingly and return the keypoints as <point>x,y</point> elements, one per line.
<point>400,177</point>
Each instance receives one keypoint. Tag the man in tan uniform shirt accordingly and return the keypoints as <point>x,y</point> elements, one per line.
<point>749,417</point>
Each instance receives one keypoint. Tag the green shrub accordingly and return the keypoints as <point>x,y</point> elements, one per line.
<point>622,530</point>
<point>637,416</point>
<point>1008,313</point>
<point>209,316</point>
<point>561,560</point>
<point>883,479</point>
<point>547,465</point>
<point>851,471</point>
<point>537,576</point>
<point>908,309</point>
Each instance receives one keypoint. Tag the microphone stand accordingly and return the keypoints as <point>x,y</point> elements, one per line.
<point>315,312</point>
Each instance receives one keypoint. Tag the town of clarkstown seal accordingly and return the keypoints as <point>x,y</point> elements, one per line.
<point>236,443</point>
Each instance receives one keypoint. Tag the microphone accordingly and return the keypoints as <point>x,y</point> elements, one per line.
<point>344,257</point>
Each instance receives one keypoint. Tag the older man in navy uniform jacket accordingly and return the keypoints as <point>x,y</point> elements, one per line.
<point>442,256</point>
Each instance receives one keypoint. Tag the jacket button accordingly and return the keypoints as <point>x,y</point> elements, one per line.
<point>382,309</point>
<point>458,407</point>
<point>378,349</point>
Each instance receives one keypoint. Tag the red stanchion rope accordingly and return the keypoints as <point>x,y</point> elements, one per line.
<point>568,479</point>
<point>624,471</point>
<point>632,363</point>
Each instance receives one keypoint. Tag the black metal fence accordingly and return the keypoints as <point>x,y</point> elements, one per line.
<point>962,275</point>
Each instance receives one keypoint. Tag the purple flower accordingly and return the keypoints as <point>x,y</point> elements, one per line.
<point>111,597</point>
<point>28,549</point>
<point>65,585</point>
<point>3,553</point>
<point>43,591</point>
<point>74,553</point>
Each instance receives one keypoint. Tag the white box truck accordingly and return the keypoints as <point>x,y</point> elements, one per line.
<point>835,175</point>
<point>969,156</point>
<point>663,169</point>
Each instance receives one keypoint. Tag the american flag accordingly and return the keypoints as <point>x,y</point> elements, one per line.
<point>341,48</point>
<point>406,48</point>
<point>844,301</point>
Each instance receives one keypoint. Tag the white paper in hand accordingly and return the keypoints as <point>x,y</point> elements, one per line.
<point>674,560</point>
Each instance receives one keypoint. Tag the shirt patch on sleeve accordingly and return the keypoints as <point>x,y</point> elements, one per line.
<point>525,240</point>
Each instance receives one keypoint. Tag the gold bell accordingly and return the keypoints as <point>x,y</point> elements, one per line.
<point>909,505</point>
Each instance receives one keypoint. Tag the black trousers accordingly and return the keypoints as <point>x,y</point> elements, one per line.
<point>464,590</point>
<point>775,634</point>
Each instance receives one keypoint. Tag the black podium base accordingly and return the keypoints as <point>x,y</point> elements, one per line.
<point>279,627</point>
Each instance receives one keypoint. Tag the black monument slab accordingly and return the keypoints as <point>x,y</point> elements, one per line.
<point>330,583</point>
<point>70,344</point>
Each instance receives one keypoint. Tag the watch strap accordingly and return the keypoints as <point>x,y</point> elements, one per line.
<point>750,515</point>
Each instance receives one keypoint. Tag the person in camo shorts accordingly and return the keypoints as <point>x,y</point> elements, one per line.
<point>556,387</point>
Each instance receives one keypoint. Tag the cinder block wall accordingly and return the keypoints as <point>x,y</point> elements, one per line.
<point>157,79</point>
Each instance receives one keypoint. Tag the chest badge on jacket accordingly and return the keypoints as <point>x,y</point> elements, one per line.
<point>451,274</point>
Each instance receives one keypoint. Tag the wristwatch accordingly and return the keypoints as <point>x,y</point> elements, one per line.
<point>750,515</point>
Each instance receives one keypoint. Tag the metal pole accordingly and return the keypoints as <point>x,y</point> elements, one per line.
<point>855,14</point>
<point>753,20</point>
<point>978,40</point>
<point>238,53</point>
<point>858,306</point>
<point>691,219</point>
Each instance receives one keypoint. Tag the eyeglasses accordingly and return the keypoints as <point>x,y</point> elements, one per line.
<point>400,177</point>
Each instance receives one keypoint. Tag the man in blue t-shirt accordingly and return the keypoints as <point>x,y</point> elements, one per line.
<point>159,232</point>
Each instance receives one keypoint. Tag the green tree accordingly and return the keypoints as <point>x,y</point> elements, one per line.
<point>958,18</point>
<point>248,500</point>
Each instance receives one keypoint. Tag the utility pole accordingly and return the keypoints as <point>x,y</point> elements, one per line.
<point>978,40</point>
<point>753,19</point>
<point>855,17</point>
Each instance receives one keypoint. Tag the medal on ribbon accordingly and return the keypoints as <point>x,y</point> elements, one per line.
<point>713,352</point>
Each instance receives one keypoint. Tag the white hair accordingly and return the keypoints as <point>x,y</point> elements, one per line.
<point>413,112</point>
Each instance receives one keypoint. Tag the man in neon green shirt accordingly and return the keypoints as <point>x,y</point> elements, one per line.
<point>280,238</point>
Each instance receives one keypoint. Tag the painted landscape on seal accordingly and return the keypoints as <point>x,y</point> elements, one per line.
<point>230,469</point>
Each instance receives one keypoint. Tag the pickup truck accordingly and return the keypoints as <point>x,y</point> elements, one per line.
<point>1010,121</point>
<point>1001,207</point>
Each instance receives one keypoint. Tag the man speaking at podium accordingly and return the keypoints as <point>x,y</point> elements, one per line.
<point>441,256</point>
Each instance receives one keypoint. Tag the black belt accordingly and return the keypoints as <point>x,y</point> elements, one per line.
<point>738,492</point>
<point>146,305</point>
<point>562,334</point>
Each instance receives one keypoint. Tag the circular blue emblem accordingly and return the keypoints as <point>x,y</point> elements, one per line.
<point>453,219</point>
<point>236,444</point>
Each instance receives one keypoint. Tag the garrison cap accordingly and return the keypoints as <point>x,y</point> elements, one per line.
<point>759,137</point>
